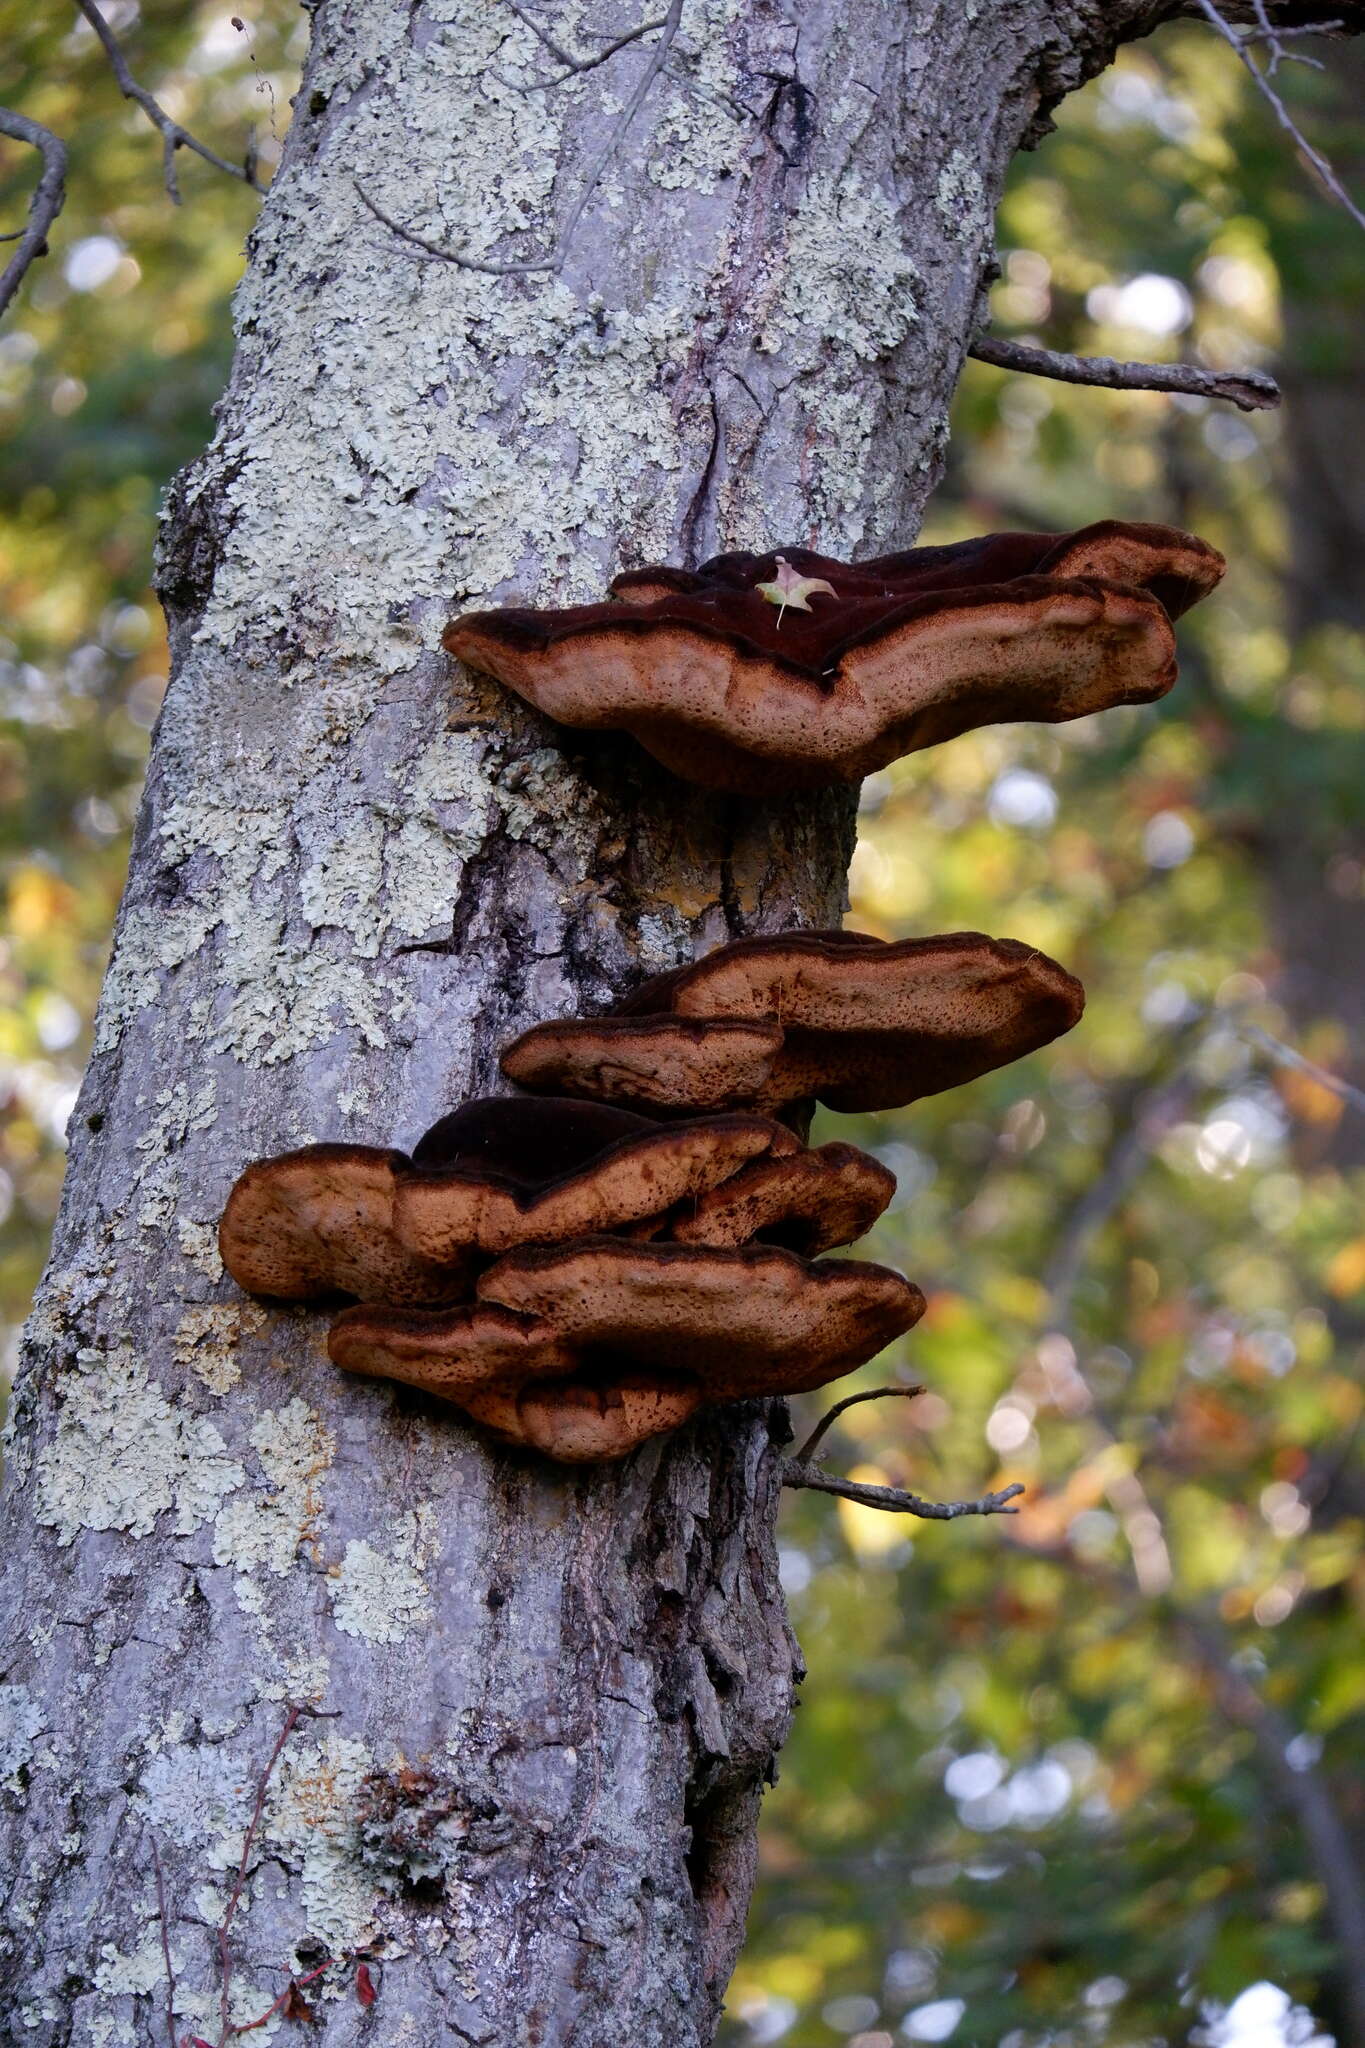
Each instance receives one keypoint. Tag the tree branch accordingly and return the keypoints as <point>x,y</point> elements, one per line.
<point>892,1500</point>
<point>1285,1056</point>
<point>173,136</point>
<point>1266,31</point>
<point>827,1421</point>
<point>49,196</point>
<point>1251,390</point>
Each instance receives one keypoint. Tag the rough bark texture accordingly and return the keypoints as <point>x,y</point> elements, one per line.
<point>554,1697</point>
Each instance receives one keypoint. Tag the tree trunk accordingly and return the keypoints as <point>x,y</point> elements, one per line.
<point>551,1698</point>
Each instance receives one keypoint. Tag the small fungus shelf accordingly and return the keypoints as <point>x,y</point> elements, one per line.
<point>857,1022</point>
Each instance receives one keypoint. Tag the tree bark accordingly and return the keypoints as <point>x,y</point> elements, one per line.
<point>551,1698</point>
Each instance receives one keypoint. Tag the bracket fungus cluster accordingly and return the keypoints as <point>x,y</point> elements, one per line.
<point>577,1276</point>
<point>758,674</point>
<point>572,1275</point>
<point>584,1266</point>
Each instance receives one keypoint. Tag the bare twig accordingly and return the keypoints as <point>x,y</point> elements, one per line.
<point>565,57</point>
<point>173,136</point>
<point>1303,1792</point>
<point>294,1984</point>
<point>1141,1119</point>
<point>893,1500</point>
<point>49,195</point>
<point>1285,1056</point>
<point>554,262</point>
<point>1262,79</point>
<point>291,1720</point>
<point>165,1941</point>
<point>1251,390</point>
<point>807,1450</point>
<point>1252,34</point>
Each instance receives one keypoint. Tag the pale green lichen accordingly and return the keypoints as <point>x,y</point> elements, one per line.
<point>960,197</point>
<point>180,1112</point>
<point>186,1796</point>
<point>849,279</point>
<point>199,1246</point>
<point>383,1598</point>
<point>122,1456</point>
<point>207,1337</point>
<point>311,1817</point>
<point>140,1970</point>
<point>22,1721</point>
<point>264,1531</point>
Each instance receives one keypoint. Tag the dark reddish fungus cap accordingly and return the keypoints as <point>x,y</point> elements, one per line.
<point>585,1349</point>
<point>504,1172</point>
<point>742,691</point>
<point>865,1023</point>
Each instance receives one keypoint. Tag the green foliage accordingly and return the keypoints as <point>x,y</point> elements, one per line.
<point>1013,1782</point>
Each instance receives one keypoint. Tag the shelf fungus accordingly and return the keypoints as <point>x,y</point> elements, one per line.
<point>857,1022</point>
<point>763,673</point>
<point>584,1350</point>
<point>352,1219</point>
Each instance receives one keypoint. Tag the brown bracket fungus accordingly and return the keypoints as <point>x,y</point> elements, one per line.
<point>863,1024</point>
<point>352,1219</point>
<point>312,1224</point>
<point>735,683</point>
<point>648,1333</point>
<point>500,1173</point>
<point>810,1202</point>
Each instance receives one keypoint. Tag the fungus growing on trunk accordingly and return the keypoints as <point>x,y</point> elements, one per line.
<point>808,1201</point>
<point>763,673</point>
<point>583,1350</point>
<point>864,1024</point>
<point>352,1219</point>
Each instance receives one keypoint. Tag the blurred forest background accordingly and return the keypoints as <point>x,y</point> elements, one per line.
<point>1091,1776</point>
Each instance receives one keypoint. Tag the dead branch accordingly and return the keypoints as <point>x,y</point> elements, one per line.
<point>1285,1056</point>
<point>49,196</point>
<point>173,136</point>
<point>1267,34</point>
<point>554,262</point>
<point>1142,1119</point>
<point>1303,1792</point>
<point>892,1500</point>
<point>1251,390</point>
<point>807,1450</point>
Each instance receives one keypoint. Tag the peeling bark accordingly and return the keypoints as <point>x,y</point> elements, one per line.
<point>553,1697</point>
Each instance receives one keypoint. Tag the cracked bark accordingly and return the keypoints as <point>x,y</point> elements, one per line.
<point>556,1696</point>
